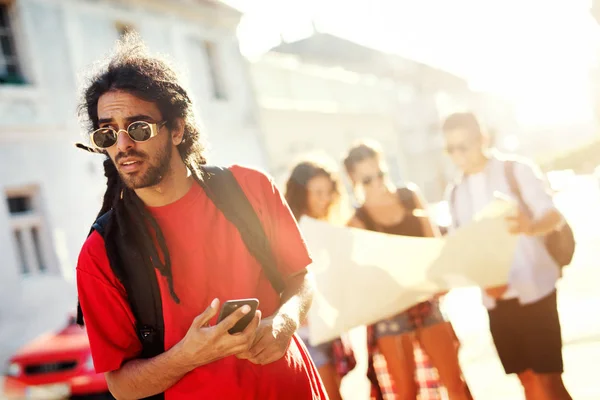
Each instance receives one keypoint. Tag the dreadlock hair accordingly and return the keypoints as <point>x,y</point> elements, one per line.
<point>132,228</point>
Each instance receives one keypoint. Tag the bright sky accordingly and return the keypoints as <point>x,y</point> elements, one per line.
<point>537,53</point>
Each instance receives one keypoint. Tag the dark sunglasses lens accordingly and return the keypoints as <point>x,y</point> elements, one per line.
<point>140,131</point>
<point>104,137</point>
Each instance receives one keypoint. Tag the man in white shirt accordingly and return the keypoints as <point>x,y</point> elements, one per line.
<point>523,314</point>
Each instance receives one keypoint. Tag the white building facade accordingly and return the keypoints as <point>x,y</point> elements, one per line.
<point>309,107</point>
<point>324,93</point>
<point>51,191</point>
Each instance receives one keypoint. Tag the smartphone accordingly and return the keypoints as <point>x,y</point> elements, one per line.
<point>232,305</point>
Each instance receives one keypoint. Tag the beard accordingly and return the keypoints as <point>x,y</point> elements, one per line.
<point>157,168</point>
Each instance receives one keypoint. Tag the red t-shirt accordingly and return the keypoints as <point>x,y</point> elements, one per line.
<point>209,260</point>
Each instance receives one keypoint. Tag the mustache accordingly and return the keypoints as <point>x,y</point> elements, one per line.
<point>131,153</point>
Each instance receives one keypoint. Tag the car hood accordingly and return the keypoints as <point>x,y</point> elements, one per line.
<point>72,342</point>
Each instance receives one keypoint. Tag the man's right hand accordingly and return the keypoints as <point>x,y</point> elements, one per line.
<point>204,344</point>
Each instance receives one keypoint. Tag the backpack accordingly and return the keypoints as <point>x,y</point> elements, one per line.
<point>141,284</point>
<point>560,243</point>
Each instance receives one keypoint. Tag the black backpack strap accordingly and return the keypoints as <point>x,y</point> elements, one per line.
<point>143,293</point>
<point>99,226</point>
<point>224,191</point>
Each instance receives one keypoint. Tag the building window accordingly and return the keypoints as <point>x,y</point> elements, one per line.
<point>216,71</point>
<point>32,245</point>
<point>10,72</point>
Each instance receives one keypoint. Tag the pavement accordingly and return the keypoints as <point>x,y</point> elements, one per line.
<point>487,380</point>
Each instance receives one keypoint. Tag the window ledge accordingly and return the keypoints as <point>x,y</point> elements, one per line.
<point>19,92</point>
<point>26,133</point>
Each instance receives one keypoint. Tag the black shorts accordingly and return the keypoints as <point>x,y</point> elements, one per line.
<point>528,337</point>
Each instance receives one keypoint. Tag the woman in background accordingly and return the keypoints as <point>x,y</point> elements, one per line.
<point>313,190</point>
<point>401,211</point>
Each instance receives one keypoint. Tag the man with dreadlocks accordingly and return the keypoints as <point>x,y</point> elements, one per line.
<point>142,119</point>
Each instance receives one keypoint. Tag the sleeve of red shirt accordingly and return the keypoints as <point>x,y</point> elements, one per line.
<point>108,319</point>
<point>280,227</point>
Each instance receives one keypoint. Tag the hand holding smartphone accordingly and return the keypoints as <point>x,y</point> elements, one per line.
<point>230,306</point>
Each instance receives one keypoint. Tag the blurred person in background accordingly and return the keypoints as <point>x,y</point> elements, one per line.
<point>315,190</point>
<point>402,211</point>
<point>523,315</point>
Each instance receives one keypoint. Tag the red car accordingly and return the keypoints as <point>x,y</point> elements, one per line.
<point>55,366</point>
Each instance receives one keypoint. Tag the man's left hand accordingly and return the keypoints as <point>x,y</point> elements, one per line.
<point>272,339</point>
<point>520,224</point>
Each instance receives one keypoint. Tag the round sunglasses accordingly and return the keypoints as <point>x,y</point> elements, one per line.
<point>138,131</point>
